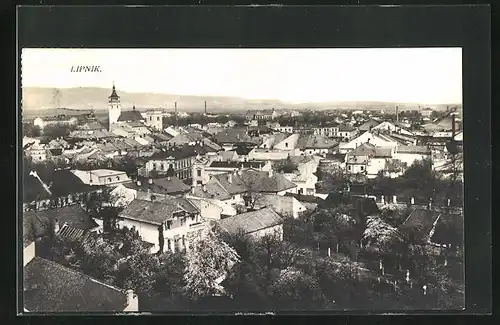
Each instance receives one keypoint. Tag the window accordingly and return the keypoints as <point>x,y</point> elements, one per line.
<point>157,118</point>
<point>109,179</point>
<point>286,144</point>
<point>198,172</point>
<point>117,178</point>
<point>169,244</point>
<point>362,168</point>
<point>171,166</point>
<point>169,224</point>
<point>199,182</point>
<point>349,167</point>
<point>162,167</point>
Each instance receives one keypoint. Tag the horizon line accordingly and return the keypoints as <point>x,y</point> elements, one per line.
<point>256,99</point>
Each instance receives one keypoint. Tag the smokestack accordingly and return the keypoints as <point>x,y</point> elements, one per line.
<point>205,107</point>
<point>453,126</point>
<point>397,114</point>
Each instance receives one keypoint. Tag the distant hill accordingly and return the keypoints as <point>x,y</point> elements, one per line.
<point>36,99</point>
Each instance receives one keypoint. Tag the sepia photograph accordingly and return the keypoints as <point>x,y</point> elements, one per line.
<point>242,180</point>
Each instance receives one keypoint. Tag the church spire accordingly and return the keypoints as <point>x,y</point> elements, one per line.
<point>114,95</point>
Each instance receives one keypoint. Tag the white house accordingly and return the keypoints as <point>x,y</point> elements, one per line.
<point>284,205</point>
<point>167,224</point>
<point>388,126</point>
<point>102,176</point>
<point>373,138</point>
<point>289,143</point>
<point>411,154</point>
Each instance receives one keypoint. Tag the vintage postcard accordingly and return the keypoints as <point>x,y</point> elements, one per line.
<point>242,180</point>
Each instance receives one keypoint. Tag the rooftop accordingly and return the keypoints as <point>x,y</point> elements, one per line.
<point>51,287</point>
<point>251,221</point>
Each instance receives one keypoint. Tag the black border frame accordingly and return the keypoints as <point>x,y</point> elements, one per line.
<point>465,26</point>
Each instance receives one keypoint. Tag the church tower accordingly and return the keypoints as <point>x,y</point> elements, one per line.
<point>114,107</point>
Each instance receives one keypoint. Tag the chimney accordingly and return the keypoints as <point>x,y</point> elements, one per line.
<point>139,183</point>
<point>132,303</point>
<point>394,200</point>
<point>430,204</point>
<point>168,178</point>
<point>271,172</point>
<point>204,187</point>
<point>192,190</point>
<point>382,200</point>
<point>412,201</point>
<point>453,126</point>
<point>230,178</point>
<point>150,181</point>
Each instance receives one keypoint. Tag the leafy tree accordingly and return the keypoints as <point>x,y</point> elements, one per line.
<point>99,259</point>
<point>31,131</point>
<point>295,290</point>
<point>208,263</point>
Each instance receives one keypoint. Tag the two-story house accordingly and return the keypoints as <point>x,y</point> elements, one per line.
<point>168,224</point>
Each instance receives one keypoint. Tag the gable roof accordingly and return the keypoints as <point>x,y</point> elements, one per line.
<point>259,181</point>
<point>72,215</point>
<point>128,116</point>
<point>232,136</point>
<point>51,287</point>
<point>211,190</point>
<point>166,185</point>
<point>157,212</point>
<point>423,219</point>
<point>251,221</point>
<point>368,125</point>
<point>312,141</point>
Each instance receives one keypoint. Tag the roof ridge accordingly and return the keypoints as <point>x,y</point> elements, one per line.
<point>86,276</point>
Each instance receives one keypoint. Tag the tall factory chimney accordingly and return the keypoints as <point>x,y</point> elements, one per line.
<point>453,126</point>
<point>205,107</point>
<point>175,112</point>
<point>397,114</point>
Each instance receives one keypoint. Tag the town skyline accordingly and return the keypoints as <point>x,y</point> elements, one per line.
<point>429,76</point>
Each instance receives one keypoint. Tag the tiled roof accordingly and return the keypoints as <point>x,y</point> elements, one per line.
<point>414,149</point>
<point>211,190</point>
<point>236,186</point>
<point>306,198</point>
<point>251,221</point>
<point>364,149</point>
<point>127,116</point>
<point>156,212</point>
<point>366,126</point>
<point>161,185</point>
<point>423,219</point>
<point>51,287</point>
<point>311,141</point>
<point>232,136</point>
<point>73,215</point>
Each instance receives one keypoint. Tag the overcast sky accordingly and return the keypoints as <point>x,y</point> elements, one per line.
<point>423,75</point>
